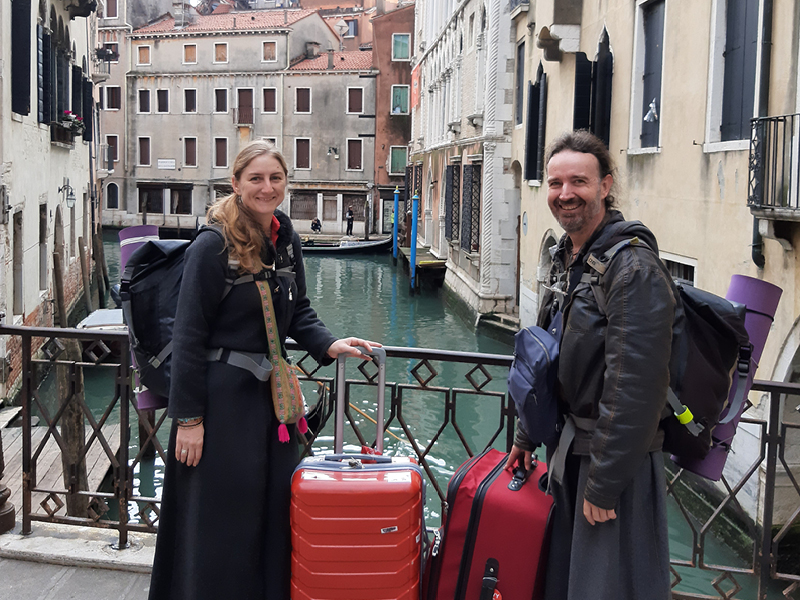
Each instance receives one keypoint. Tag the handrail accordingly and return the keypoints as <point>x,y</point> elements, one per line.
<point>138,511</point>
<point>774,180</point>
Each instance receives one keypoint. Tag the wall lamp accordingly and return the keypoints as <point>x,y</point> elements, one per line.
<point>69,194</point>
<point>334,151</point>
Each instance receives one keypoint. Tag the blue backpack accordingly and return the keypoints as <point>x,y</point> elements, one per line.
<point>532,380</point>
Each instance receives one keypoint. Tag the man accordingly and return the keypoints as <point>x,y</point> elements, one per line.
<point>609,537</point>
<point>349,216</point>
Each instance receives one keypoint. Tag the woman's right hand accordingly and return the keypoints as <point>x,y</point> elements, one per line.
<point>189,444</point>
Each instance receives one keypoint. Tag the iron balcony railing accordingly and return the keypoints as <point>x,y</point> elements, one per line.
<point>423,412</point>
<point>775,163</point>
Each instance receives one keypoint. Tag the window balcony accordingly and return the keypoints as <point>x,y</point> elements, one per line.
<point>523,4</point>
<point>80,8</point>
<point>775,168</point>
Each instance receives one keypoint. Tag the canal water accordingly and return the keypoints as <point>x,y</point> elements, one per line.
<point>368,297</point>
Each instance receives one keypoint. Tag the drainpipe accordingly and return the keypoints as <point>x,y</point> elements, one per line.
<point>763,111</point>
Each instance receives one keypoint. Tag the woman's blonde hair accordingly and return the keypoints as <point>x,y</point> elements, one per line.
<point>243,233</point>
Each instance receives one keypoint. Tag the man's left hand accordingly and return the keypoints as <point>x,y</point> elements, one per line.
<point>595,514</point>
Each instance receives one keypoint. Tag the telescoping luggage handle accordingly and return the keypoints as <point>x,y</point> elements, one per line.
<point>379,356</point>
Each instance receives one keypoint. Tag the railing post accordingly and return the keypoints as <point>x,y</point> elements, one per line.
<point>413,247</point>
<point>124,474</point>
<point>27,475</point>
<point>394,224</point>
<point>773,441</point>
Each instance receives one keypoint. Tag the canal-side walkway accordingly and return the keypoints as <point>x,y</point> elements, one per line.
<point>65,562</point>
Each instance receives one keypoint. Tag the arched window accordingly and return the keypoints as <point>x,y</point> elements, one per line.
<point>112,196</point>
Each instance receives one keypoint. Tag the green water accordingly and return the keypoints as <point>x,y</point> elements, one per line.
<point>368,297</point>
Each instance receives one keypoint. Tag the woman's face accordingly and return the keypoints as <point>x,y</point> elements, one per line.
<point>262,187</point>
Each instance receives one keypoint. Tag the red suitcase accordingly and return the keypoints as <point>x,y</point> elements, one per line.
<point>494,536</point>
<point>357,527</point>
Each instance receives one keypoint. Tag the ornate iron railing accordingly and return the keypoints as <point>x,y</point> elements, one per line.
<point>422,410</point>
<point>775,163</point>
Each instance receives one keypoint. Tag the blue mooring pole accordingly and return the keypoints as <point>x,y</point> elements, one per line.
<point>413,244</point>
<point>394,225</point>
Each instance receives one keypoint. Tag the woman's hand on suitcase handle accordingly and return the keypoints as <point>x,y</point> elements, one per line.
<point>349,347</point>
<point>514,456</point>
<point>189,445</point>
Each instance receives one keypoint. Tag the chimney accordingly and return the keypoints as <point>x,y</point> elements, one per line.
<point>379,7</point>
<point>285,17</point>
<point>330,59</point>
<point>312,49</point>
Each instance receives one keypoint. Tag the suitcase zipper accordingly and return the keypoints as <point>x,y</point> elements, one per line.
<point>472,528</point>
<point>452,490</point>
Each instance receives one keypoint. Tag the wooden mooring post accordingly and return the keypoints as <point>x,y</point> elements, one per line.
<point>87,286</point>
<point>97,253</point>
<point>69,389</point>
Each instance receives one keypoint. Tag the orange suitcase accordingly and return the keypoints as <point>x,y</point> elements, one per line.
<point>357,527</point>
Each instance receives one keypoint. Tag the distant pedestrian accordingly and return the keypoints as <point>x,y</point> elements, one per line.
<point>349,216</point>
<point>224,523</point>
<point>609,526</point>
<point>316,225</point>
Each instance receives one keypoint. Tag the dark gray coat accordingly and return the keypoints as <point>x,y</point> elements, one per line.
<point>224,524</point>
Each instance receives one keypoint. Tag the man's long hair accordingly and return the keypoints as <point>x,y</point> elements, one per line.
<point>587,143</point>
<point>244,235</point>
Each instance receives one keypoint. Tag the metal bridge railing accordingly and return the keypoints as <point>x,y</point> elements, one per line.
<point>424,408</point>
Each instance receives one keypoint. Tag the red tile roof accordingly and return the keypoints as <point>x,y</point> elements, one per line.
<point>244,21</point>
<point>342,61</point>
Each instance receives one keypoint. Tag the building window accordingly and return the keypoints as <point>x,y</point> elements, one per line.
<point>113,97</point>
<point>190,152</point>
<point>190,54</point>
<point>398,157</point>
<point>111,9</point>
<point>162,101</point>
<point>535,127</point>
<point>113,147</point>
<point>302,103</point>
<point>355,101</point>
<point>647,72</point>
<point>471,209</point>
<point>302,153</point>
<point>401,46</point>
<point>43,246</point>
<point>18,253</point>
<point>400,99</point>
<point>189,100</point>
<point>270,100</point>
<point>681,270</point>
<point>221,52</point>
<point>354,155</point>
<point>221,100</point>
<point>733,70</point>
<point>270,52</point>
<point>112,196</point>
<point>519,84</point>
<point>143,55</point>
<point>180,200</point>
<point>452,206</point>
<point>352,28</point>
<point>144,101</point>
<point>21,57</point>
<point>144,152</point>
<point>244,106</point>
<point>151,199</point>
<point>112,51</point>
<point>221,152</point>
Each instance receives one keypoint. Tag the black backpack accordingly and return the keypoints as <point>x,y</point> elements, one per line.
<point>712,356</point>
<point>149,292</point>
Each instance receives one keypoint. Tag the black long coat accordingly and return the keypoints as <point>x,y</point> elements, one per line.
<point>224,524</point>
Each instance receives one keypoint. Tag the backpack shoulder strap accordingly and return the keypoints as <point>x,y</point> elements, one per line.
<point>599,265</point>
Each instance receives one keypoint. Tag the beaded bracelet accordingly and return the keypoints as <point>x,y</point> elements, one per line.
<point>188,422</point>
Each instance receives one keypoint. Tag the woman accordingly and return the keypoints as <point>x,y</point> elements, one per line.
<point>224,522</point>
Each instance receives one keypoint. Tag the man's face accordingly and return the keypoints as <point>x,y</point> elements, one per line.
<point>575,192</point>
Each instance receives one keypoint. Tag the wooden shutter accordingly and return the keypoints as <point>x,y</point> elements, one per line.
<point>270,100</point>
<point>303,151</point>
<point>355,102</point>
<point>144,151</point>
<point>303,96</point>
<point>532,131</point>
<point>540,147</point>
<point>221,52</point>
<point>190,53</point>
<point>583,92</point>
<point>77,90</point>
<point>21,56</point>
<point>220,152</point>
<point>42,104</point>
<point>190,152</point>
<point>601,90</point>
<point>88,110</point>
<point>354,148</point>
<point>741,47</point>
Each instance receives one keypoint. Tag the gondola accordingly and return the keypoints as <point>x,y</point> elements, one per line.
<point>311,246</point>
